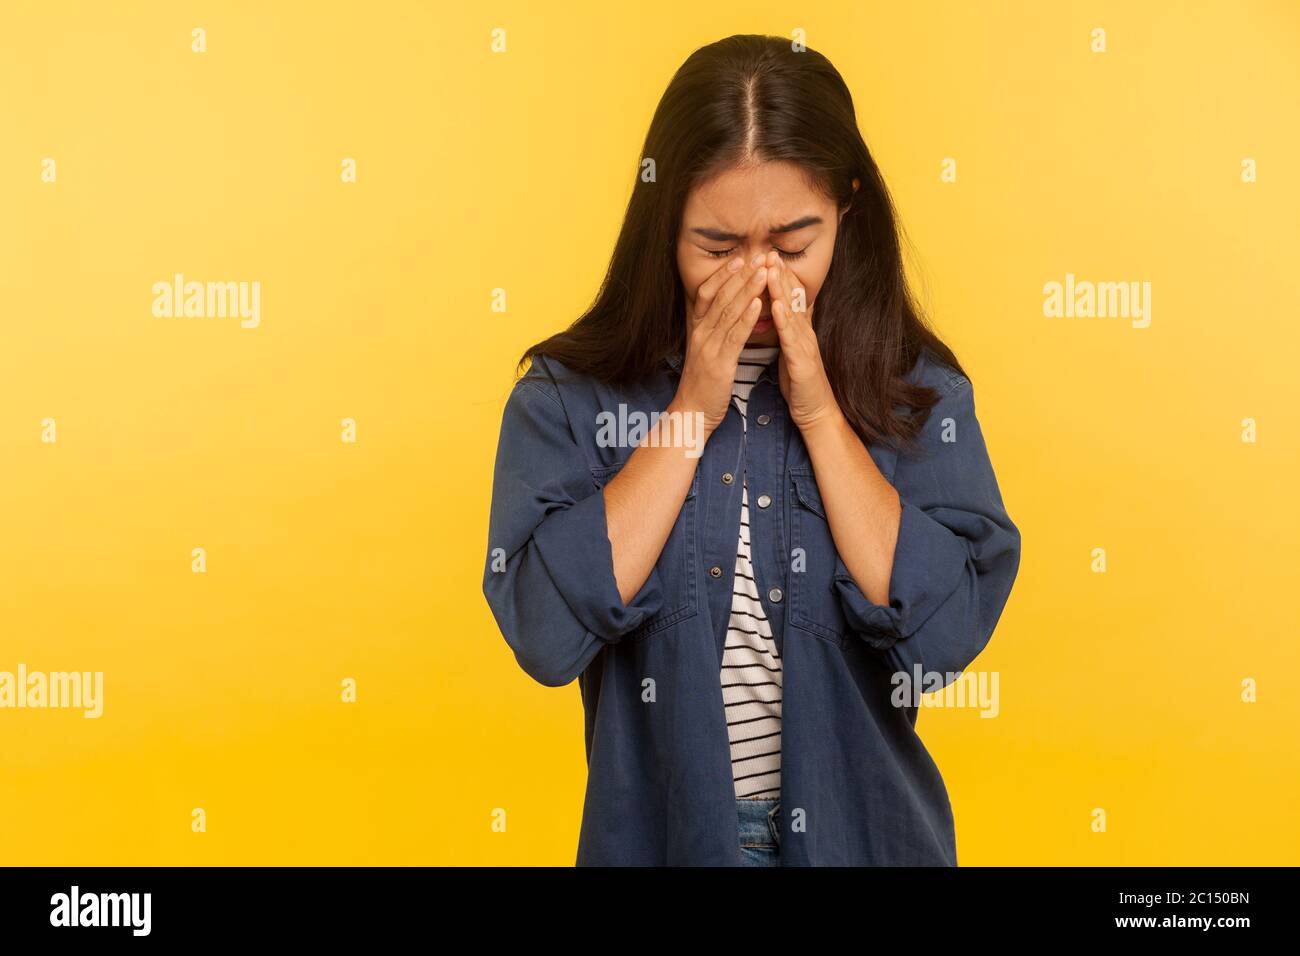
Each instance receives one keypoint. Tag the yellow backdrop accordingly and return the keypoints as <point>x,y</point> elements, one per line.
<point>1021,145</point>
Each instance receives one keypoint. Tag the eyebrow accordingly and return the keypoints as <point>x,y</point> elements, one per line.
<point>718,235</point>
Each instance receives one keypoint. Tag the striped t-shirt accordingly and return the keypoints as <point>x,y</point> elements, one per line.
<point>751,667</point>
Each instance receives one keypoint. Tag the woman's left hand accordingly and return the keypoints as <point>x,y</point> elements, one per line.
<point>802,376</point>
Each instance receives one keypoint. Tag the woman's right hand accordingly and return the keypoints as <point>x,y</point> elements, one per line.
<point>719,323</point>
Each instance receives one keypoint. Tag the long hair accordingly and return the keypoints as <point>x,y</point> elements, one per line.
<point>748,99</point>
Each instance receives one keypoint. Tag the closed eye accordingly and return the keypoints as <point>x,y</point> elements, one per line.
<point>723,253</point>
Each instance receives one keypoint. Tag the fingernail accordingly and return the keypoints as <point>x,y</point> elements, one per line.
<point>761,273</point>
<point>758,260</point>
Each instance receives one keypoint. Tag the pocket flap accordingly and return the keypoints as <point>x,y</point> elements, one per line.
<point>805,489</point>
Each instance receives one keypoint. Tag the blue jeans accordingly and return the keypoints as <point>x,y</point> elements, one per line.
<point>760,832</point>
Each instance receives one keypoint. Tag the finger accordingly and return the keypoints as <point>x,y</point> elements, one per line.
<point>730,279</point>
<point>708,289</point>
<point>732,285</point>
<point>787,321</point>
<point>738,333</point>
<point>784,280</point>
<point>733,299</point>
<point>776,282</point>
<point>785,328</point>
<point>777,287</point>
<point>792,285</point>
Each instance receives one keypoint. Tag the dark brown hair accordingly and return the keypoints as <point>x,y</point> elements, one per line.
<point>748,99</point>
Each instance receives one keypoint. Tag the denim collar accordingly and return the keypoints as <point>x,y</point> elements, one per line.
<point>767,375</point>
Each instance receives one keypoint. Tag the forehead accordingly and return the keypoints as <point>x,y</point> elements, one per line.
<point>753,198</point>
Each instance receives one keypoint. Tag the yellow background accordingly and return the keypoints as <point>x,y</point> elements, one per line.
<point>479,171</point>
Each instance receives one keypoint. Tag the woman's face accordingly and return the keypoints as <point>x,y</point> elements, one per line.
<point>748,211</point>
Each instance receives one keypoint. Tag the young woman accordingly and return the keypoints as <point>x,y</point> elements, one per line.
<point>749,587</point>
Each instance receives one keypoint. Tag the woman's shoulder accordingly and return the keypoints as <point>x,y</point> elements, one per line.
<point>548,374</point>
<point>933,371</point>
<point>953,406</point>
<point>575,392</point>
<point>546,369</point>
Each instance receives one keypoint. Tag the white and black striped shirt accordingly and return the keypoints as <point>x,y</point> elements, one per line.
<point>751,667</point>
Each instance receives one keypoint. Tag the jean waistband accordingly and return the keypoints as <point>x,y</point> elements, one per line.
<point>759,822</point>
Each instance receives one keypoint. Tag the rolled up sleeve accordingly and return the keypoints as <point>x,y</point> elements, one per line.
<point>957,552</point>
<point>549,578</point>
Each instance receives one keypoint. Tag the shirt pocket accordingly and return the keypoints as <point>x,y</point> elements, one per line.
<point>814,603</point>
<point>676,562</point>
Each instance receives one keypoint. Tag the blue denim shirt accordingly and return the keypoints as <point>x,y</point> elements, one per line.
<point>857,785</point>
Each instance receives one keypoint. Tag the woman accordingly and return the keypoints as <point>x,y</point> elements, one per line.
<point>748,587</point>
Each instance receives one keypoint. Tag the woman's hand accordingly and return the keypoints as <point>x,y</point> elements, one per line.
<point>719,323</point>
<point>643,501</point>
<point>802,376</point>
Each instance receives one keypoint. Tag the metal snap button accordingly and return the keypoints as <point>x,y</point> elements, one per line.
<point>775,595</point>
<point>715,571</point>
<point>764,419</point>
<point>764,500</point>
<point>728,478</point>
